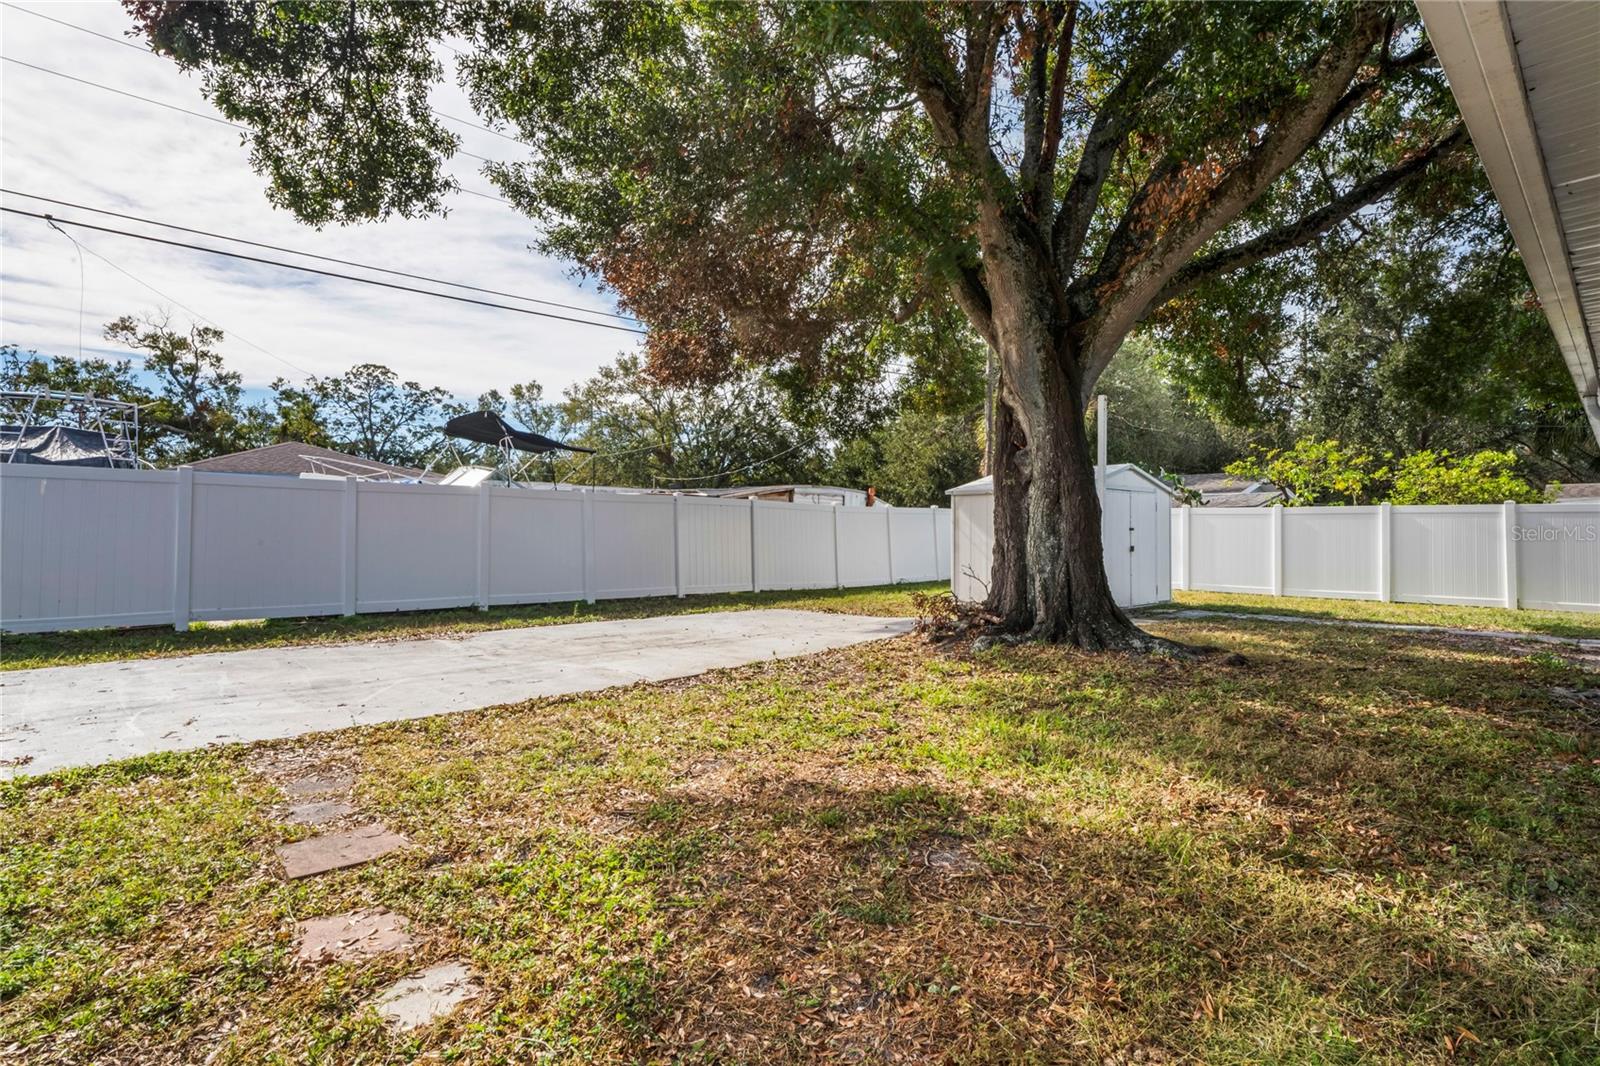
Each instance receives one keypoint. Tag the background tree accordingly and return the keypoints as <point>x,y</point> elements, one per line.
<point>198,408</point>
<point>772,183</point>
<point>1153,422</point>
<point>1327,473</point>
<point>648,433</point>
<point>1403,338</point>
<point>370,412</point>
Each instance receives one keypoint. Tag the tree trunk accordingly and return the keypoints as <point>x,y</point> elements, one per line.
<point>1048,580</point>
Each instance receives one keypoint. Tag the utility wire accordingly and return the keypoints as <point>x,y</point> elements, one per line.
<point>324,273</point>
<point>192,312</point>
<point>313,255</point>
<point>738,469</point>
<point>170,107</point>
<point>155,55</point>
<point>82,287</point>
<point>202,114</point>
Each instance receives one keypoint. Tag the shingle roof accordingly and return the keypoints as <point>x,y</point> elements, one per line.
<point>1583,490</point>
<point>293,458</point>
<point>1209,483</point>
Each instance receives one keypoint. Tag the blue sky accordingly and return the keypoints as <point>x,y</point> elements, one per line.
<point>77,143</point>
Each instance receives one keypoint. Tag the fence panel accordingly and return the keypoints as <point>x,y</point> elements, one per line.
<point>535,546</point>
<point>915,544</point>
<point>863,547</point>
<point>417,547</point>
<point>87,548</point>
<point>82,548</point>
<point>1543,556</point>
<point>1558,556</point>
<point>1331,551</point>
<point>793,545</point>
<point>1231,550</point>
<point>713,544</point>
<point>1449,555</point>
<point>634,548</point>
<point>265,551</point>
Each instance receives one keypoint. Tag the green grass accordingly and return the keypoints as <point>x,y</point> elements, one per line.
<point>26,651</point>
<point>1357,846</point>
<point>1553,623</point>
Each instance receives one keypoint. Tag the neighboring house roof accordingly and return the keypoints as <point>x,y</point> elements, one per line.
<point>1238,499</point>
<point>1129,476</point>
<point>739,491</point>
<point>292,459</point>
<point>1225,490</point>
<point>1585,491</point>
<point>1218,483</point>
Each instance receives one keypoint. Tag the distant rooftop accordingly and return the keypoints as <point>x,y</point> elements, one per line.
<point>291,459</point>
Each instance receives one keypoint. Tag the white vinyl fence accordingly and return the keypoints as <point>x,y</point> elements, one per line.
<point>81,548</point>
<point>1501,555</point>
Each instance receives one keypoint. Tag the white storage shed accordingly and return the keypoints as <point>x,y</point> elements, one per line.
<point>1136,527</point>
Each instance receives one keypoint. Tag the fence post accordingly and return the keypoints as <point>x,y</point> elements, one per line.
<point>1385,552</point>
<point>347,543</point>
<point>755,576</point>
<point>1508,533</point>
<point>1184,554</point>
<point>182,546</point>
<point>483,546</point>
<point>677,542</point>
<point>888,537</point>
<point>588,545</point>
<point>933,528</point>
<point>1277,550</point>
<point>838,584</point>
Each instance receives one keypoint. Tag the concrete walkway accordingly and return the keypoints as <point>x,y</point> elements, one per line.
<point>1581,643</point>
<point>83,715</point>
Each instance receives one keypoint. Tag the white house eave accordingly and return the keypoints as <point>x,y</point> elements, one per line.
<point>1476,47</point>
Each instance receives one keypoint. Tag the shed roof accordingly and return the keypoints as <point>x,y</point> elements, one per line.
<point>1130,475</point>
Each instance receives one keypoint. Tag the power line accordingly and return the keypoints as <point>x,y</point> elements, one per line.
<point>196,314</point>
<point>170,107</point>
<point>123,92</point>
<point>314,255</point>
<point>323,273</point>
<point>738,469</point>
<point>155,55</point>
<point>202,114</point>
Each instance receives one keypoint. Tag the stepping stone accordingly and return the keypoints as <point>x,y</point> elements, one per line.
<point>318,784</point>
<point>335,851</point>
<point>433,993</point>
<point>349,937</point>
<point>319,812</point>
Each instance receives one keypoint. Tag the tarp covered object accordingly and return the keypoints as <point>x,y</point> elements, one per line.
<point>55,446</point>
<point>486,427</point>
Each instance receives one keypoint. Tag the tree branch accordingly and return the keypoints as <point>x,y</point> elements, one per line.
<point>1303,230</point>
<point>1126,281</point>
<point>966,286</point>
<point>1106,134</point>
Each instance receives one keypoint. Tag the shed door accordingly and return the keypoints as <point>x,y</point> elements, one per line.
<point>1117,536</point>
<point>1145,579</point>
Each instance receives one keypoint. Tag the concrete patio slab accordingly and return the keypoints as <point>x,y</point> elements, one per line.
<point>351,937</point>
<point>319,812</point>
<point>84,715</point>
<point>335,851</point>
<point>433,993</point>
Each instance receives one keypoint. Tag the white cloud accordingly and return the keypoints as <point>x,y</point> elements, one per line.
<point>73,142</point>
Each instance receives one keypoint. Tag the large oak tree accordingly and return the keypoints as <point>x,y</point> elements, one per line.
<point>780,183</point>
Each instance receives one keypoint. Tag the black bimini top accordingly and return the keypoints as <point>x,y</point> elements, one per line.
<point>486,427</point>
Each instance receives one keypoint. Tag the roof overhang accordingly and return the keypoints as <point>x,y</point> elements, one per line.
<point>1527,80</point>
